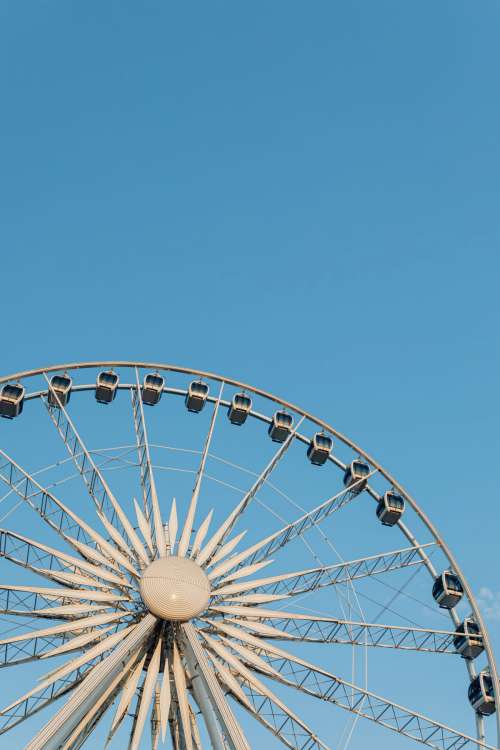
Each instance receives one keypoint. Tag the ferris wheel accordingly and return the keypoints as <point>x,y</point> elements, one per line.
<point>191,562</point>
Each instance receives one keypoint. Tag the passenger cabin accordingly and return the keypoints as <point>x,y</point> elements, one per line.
<point>468,639</point>
<point>355,476</point>
<point>447,590</point>
<point>239,409</point>
<point>152,388</point>
<point>60,386</point>
<point>280,427</point>
<point>106,385</point>
<point>11,400</point>
<point>196,396</point>
<point>319,449</point>
<point>390,508</point>
<point>481,695</point>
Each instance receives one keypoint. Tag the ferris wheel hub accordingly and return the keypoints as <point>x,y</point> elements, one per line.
<point>175,588</point>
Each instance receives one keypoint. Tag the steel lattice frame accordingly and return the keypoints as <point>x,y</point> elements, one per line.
<point>236,647</point>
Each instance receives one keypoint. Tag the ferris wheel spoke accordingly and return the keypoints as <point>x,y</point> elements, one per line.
<point>97,710</point>
<point>182,696</point>
<point>66,673</point>
<point>269,545</point>
<point>260,701</point>
<point>305,628</point>
<point>36,648</point>
<point>201,533</point>
<point>132,640</point>
<point>146,696</point>
<point>97,487</point>
<point>34,702</point>
<point>148,484</point>
<point>25,600</point>
<point>199,667</point>
<point>77,565</point>
<point>64,612</point>
<point>48,562</point>
<point>315,681</point>
<point>57,515</point>
<point>129,687</point>
<point>292,584</point>
<point>220,536</point>
<point>48,642</point>
<point>191,514</point>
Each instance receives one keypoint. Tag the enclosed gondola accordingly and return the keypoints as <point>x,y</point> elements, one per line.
<point>447,590</point>
<point>11,400</point>
<point>280,427</point>
<point>481,694</point>
<point>390,508</point>
<point>196,396</point>
<point>239,408</point>
<point>60,388</point>
<point>468,639</point>
<point>152,388</point>
<point>319,449</point>
<point>106,385</point>
<point>355,476</point>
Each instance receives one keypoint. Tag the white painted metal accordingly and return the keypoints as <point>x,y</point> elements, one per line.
<point>173,525</point>
<point>147,695</point>
<point>188,525</point>
<point>129,688</point>
<point>55,731</point>
<point>144,527</point>
<point>201,534</point>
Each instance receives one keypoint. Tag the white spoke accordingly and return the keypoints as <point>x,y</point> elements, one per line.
<point>67,627</point>
<point>272,543</point>
<point>57,515</point>
<point>201,534</point>
<point>199,665</point>
<point>244,572</point>
<point>67,669</point>
<point>78,642</point>
<point>188,525</point>
<point>66,612</point>
<point>150,495</point>
<point>307,628</point>
<point>144,526</point>
<point>50,563</point>
<point>173,525</point>
<point>292,584</point>
<point>227,548</point>
<point>147,694</point>
<point>225,529</point>
<point>23,600</point>
<point>165,697</point>
<point>61,725</point>
<point>127,695</point>
<point>98,708</point>
<point>181,691</point>
<point>97,486</point>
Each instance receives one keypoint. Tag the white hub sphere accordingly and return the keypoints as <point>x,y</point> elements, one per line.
<point>175,588</point>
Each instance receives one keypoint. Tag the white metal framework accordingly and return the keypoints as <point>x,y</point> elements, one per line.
<point>178,620</point>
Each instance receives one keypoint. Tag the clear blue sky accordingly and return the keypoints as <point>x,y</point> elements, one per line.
<point>301,195</point>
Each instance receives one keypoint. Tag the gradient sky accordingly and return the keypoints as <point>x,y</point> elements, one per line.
<point>304,196</point>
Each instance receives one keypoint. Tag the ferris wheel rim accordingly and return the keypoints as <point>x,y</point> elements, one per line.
<point>165,367</point>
